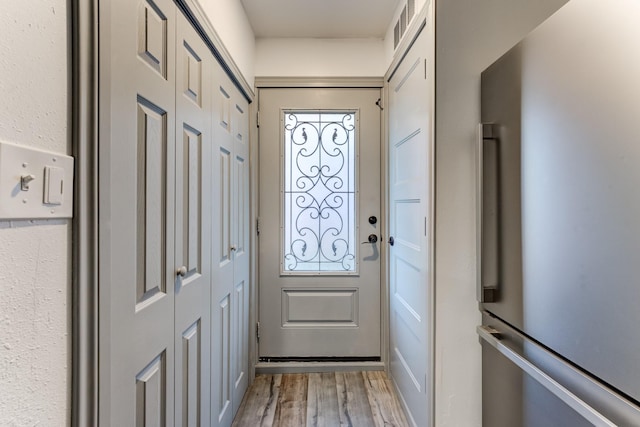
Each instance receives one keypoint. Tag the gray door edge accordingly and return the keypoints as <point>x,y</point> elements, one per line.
<point>84,141</point>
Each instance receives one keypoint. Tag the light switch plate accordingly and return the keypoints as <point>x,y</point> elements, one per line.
<point>34,183</point>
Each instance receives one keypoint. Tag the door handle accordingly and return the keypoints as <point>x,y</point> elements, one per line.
<point>488,213</point>
<point>371,239</point>
<point>494,339</point>
<point>391,240</point>
<point>182,271</point>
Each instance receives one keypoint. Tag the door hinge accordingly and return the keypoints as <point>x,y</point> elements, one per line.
<point>258,226</point>
<point>425,68</point>
<point>379,104</point>
<point>490,130</point>
<point>258,331</point>
<point>258,118</point>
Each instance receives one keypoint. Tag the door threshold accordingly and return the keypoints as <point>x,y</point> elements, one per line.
<point>296,367</point>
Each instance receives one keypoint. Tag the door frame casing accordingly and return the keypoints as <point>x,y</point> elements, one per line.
<point>84,289</point>
<point>320,83</point>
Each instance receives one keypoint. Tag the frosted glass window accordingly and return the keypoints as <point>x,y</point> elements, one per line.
<point>319,192</point>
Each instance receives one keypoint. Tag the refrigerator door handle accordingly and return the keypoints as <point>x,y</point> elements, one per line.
<point>492,337</point>
<point>488,213</point>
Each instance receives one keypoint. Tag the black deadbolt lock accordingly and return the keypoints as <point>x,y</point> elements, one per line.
<point>373,220</point>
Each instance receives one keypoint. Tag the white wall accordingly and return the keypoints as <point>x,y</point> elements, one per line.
<point>304,57</point>
<point>232,26</point>
<point>470,35</point>
<point>35,258</point>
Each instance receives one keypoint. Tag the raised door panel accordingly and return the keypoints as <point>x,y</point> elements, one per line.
<point>151,203</point>
<point>221,409</point>
<point>241,183</point>
<point>153,37</point>
<point>240,350</point>
<point>192,376</point>
<point>151,394</point>
<point>225,180</point>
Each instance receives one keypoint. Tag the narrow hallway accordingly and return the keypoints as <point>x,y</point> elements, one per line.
<point>321,399</point>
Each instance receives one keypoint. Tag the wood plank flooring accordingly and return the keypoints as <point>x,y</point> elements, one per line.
<point>330,399</point>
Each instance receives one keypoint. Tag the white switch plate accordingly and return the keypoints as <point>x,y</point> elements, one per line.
<point>44,198</point>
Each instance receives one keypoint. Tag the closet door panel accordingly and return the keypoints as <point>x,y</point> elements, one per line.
<point>193,227</point>
<point>136,219</point>
<point>223,254</point>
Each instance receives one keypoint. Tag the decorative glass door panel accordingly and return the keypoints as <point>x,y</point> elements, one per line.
<point>319,180</point>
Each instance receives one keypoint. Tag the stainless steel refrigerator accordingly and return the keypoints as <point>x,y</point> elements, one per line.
<point>559,221</point>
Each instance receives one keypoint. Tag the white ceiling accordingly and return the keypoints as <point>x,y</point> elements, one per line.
<point>320,18</point>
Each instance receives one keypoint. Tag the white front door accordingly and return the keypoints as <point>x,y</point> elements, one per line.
<point>319,201</point>
<point>410,224</point>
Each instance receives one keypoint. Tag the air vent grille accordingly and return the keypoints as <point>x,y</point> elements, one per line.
<point>396,35</point>
<point>411,10</point>
<point>408,11</point>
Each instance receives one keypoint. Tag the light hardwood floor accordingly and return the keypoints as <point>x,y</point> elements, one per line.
<point>332,399</point>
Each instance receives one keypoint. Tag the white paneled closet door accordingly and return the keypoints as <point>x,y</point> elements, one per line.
<point>194,206</point>
<point>137,213</point>
<point>240,226</point>
<point>230,291</point>
<point>174,223</point>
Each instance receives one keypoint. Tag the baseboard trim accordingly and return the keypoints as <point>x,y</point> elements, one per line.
<point>307,367</point>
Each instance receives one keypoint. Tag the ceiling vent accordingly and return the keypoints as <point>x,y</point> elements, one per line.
<point>396,35</point>
<point>403,21</point>
<point>411,10</point>
<point>408,11</point>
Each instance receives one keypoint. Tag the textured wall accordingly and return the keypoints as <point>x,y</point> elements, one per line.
<point>34,256</point>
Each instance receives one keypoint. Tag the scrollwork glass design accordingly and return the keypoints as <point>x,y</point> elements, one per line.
<point>319,192</point>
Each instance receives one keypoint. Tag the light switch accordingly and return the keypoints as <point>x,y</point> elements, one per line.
<point>34,183</point>
<point>53,185</point>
